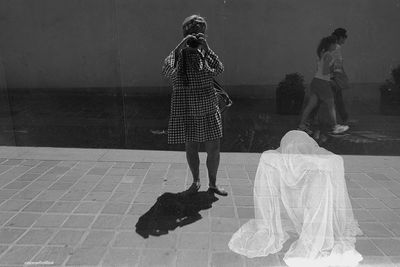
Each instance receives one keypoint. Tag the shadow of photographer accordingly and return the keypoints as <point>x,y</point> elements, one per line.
<point>173,210</point>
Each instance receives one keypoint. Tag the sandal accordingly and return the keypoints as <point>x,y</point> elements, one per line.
<point>218,191</point>
<point>194,188</point>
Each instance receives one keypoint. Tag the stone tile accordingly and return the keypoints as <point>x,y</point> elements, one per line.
<point>223,201</point>
<point>39,185</point>
<point>115,208</point>
<point>197,241</point>
<point>16,185</point>
<point>98,196</point>
<point>223,212</point>
<point>50,220</point>
<point>60,186</point>
<point>12,162</point>
<point>394,227</point>
<point>51,195</point>
<point>370,203</point>
<point>219,241</point>
<point>121,257</point>
<point>26,195</point>
<point>104,187</point>
<point>57,255</point>
<point>201,226</point>
<point>129,222</point>
<point>271,260</point>
<point>141,165</point>
<point>228,259</point>
<point>9,235</point>
<point>384,215</point>
<point>74,195</point>
<point>89,207</point>
<point>36,236</point>
<point>67,237</point>
<point>122,197</point>
<point>168,241</point>
<point>139,209</point>
<point>363,216</point>
<point>78,221</point>
<point>129,239</point>
<point>192,258</point>
<point>18,255</point>
<point>126,187</point>
<point>395,260</point>
<point>157,257</point>
<point>367,248</point>
<point>224,225</point>
<point>244,201</point>
<point>3,248</point>
<point>245,213</point>
<point>391,247</point>
<point>374,230</point>
<point>380,193</point>
<point>98,238</point>
<point>7,193</point>
<point>63,207</point>
<point>393,203</point>
<point>146,198</point>
<point>359,193</point>
<point>38,206</point>
<point>150,188</point>
<point>86,256</point>
<point>13,205</point>
<point>107,222</point>
<point>376,261</point>
<point>28,177</point>
<point>23,220</point>
<point>5,216</point>
<point>242,191</point>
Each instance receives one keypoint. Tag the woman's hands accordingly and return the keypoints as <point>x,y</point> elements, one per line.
<point>200,37</point>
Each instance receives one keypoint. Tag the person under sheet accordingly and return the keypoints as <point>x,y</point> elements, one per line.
<point>300,188</point>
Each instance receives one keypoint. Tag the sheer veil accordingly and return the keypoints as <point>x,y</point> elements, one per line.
<point>300,188</point>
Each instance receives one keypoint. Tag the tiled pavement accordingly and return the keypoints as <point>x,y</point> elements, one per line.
<point>79,207</point>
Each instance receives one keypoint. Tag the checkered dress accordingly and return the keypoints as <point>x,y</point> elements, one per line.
<point>194,114</point>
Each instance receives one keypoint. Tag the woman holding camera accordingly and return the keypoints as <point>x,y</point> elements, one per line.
<point>194,115</point>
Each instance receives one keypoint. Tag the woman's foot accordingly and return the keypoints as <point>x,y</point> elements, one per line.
<point>217,190</point>
<point>194,188</point>
<point>304,128</point>
<point>338,129</point>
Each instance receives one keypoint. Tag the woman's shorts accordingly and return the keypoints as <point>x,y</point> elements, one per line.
<point>323,90</point>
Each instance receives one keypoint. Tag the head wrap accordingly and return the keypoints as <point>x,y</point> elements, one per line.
<point>194,24</point>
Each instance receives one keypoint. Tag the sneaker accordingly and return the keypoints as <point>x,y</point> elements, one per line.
<point>338,129</point>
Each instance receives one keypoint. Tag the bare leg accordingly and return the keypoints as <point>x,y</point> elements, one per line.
<point>312,103</point>
<point>213,156</point>
<point>192,157</point>
<point>212,149</point>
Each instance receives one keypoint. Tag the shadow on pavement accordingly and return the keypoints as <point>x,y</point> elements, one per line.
<point>173,210</point>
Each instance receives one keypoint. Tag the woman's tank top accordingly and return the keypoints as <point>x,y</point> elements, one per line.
<point>320,65</point>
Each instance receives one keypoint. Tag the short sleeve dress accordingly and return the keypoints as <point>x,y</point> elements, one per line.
<point>194,112</point>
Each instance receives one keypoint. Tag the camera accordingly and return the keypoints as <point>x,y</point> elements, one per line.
<point>193,42</point>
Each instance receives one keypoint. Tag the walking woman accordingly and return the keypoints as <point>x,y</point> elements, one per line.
<point>321,90</point>
<point>194,115</point>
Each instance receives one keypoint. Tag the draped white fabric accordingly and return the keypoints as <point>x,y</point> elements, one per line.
<point>300,188</point>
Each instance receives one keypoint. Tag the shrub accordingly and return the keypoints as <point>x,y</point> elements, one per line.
<point>290,94</point>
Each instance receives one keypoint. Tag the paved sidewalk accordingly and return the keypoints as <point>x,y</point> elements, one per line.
<point>79,207</point>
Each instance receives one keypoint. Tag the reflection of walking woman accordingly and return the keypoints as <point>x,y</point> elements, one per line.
<point>195,116</point>
<point>321,88</point>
